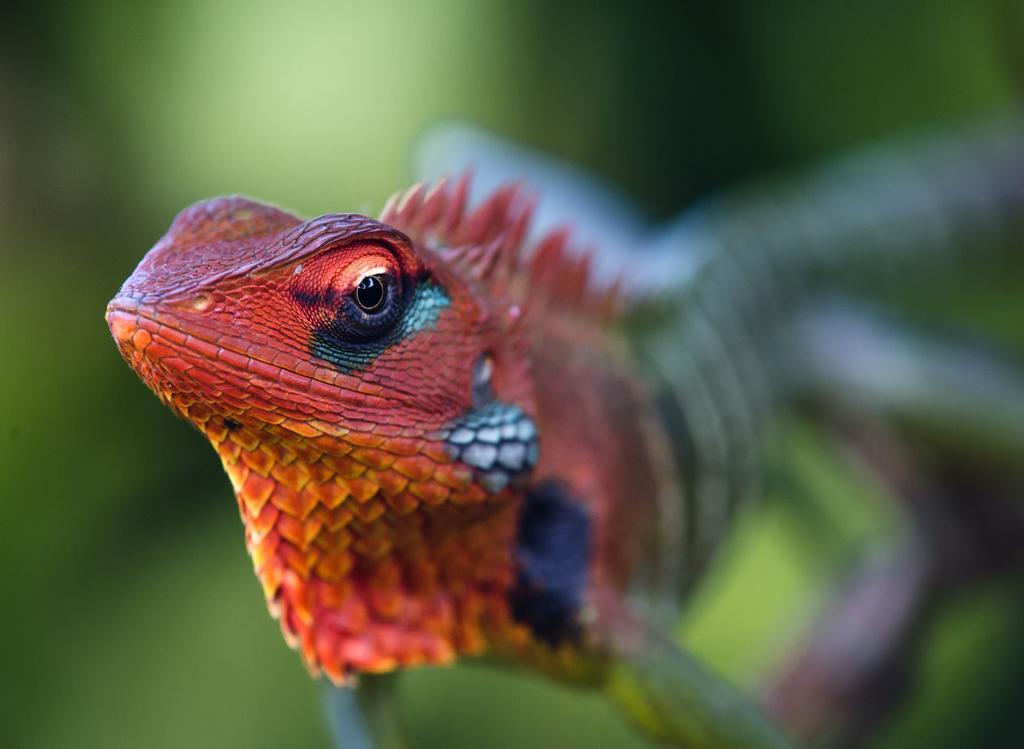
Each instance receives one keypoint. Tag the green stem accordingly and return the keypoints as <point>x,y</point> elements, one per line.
<point>673,696</point>
<point>364,717</point>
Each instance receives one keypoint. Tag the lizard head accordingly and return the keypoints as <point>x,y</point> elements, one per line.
<point>340,320</point>
<point>367,390</point>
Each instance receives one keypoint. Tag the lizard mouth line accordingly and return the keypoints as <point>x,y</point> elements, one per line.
<point>135,326</point>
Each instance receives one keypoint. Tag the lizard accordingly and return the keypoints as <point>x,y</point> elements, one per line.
<point>448,438</point>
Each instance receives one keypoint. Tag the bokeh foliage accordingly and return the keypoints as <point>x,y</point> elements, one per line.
<point>131,617</point>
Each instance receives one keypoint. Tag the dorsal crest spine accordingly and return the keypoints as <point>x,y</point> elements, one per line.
<point>488,242</point>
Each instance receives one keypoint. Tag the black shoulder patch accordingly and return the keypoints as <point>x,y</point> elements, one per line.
<point>553,550</point>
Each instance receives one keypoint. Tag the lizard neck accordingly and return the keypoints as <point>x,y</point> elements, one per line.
<point>373,551</point>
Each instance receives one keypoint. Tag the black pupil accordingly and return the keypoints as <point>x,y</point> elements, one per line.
<point>370,293</point>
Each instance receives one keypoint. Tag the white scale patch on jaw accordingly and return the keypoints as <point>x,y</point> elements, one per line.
<point>498,440</point>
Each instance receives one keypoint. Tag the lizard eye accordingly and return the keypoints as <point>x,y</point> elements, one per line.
<point>371,305</point>
<point>357,292</point>
<point>371,292</point>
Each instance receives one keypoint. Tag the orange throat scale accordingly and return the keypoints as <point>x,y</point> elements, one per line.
<point>436,441</point>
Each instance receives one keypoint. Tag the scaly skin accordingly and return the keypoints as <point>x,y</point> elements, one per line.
<point>476,464</point>
<point>377,545</point>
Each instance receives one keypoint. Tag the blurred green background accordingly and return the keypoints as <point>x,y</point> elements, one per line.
<point>130,614</point>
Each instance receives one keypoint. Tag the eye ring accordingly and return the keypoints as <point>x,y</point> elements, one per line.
<point>371,293</point>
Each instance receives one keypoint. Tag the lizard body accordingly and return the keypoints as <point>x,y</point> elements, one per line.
<point>446,439</point>
<point>380,464</point>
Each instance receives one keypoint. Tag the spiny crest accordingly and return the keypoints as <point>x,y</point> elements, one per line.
<point>487,242</point>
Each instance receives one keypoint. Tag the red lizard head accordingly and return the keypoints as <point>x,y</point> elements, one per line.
<point>370,397</point>
<point>332,320</point>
